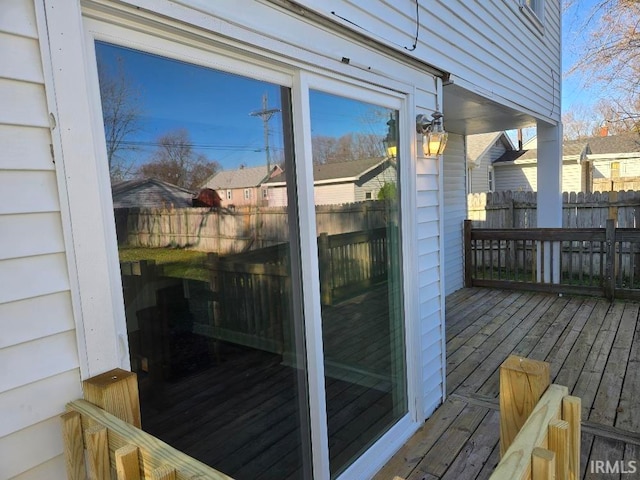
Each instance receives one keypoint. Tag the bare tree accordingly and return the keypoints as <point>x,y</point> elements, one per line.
<point>610,53</point>
<point>121,110</point>
<point>351,146</point>
<point>581,121</point>
<point>176,162</point>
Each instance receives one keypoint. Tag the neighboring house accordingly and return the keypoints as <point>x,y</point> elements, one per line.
<point>591,164</point>
<point>488,66</point>
<point>242,187</point>
<point>614,162</point>
<point>482,150</point>
<point>344,182</point>
<point>518,169</point>
<point>150,192</point>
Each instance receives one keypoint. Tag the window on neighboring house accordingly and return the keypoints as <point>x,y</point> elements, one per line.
<point>368,196</point>
<point>491,186</point>
<point>615,169</point>
<point>228,194</point>
<point>247,193</point>
<point>265,194</point>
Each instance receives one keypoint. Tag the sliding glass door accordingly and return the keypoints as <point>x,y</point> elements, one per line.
<point>208,204</point>
<point>356,196</point>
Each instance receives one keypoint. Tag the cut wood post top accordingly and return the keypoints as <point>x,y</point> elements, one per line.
<point>116,392</point>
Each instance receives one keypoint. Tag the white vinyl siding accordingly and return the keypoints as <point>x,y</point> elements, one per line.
<point>524,178</point>
<point>335,194</point>
<point>38,349</point>
<point>429,244</point>
<point>482,43</point>
<point>455,211</point>
<point>480,174</point>
<point>518,178</point>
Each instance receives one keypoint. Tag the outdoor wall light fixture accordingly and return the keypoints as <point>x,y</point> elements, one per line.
<point>434,138</point>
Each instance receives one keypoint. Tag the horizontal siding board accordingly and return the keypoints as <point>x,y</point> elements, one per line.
<point>431,327</point>
<point>25,148</point>
<point>28,192</point>
<point>34,361</point>
<point>18,16</point>
<point>429,307</point>
<point>485,43</point>
<point>29,277</point>
<point>23,103</point>
<point>33,318</point>
<point>30,234</point>
<point>28,448</point>
<point>428,229</point>
<point>432,399</point>
<point>455,211</point>
<point>427,214</point>
<point>426,166</point>
<point>54,468</point>
<point>20,58</point>
<point>38,401</point>
<point>428,245</point>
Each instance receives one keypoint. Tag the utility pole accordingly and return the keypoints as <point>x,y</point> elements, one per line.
<point>265,114</point>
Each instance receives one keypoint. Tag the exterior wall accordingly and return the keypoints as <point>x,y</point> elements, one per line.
<point>237,197</point>
<point>40,292</point>
<point>455,211</point>
<point>572,177</point>
<point>38,350</point>
<point>335,194</point>
<point>524,178</point>
<point>480,174</point>
<point>374,184</point>
<point>629,167</point>
<point>492,47</point>
<point>519,178</point>
<point>429,259</point>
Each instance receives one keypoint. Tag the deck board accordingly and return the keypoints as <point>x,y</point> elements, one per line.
<point>593,347</point>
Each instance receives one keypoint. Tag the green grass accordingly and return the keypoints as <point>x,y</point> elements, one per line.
<point>175,262</point>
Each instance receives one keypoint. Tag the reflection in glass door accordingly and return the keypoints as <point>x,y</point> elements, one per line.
<point>201,171</point>
<point>357,202</point>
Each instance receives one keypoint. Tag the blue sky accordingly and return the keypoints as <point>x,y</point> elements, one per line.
<point>216,107</point>
<point>576,89</point>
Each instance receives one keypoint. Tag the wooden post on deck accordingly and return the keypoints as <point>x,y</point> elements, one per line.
<point>522,383</point>
<point>324,264</point>
<point>468,276</point>
<point>116,392</point>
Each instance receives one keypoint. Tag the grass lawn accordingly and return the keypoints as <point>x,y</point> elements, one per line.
<point>175,262</point>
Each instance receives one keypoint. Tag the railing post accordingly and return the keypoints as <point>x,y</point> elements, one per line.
<point>522,383</point>
<point>610,249</point>
<point>468,277</point>
<point>116,392</point>
<point>324,265</point>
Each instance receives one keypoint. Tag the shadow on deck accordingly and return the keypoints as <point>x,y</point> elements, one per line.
<point>593,347</point>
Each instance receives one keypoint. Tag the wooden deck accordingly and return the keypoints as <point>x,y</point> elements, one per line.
<point>593,347</point>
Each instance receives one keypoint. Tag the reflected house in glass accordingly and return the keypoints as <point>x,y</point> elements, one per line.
<point>298,338</point>
<point>150,193</point>
<point>342,182</point>
<point>242,186</point>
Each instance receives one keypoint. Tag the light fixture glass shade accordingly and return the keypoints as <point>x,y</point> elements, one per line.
<point>434,143</point>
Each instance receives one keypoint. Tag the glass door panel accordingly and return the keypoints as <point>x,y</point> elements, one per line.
<point>357,201</point>
<point>201,170</point>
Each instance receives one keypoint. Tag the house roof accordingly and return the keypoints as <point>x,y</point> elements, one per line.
<point>239,178</point>
<point>609,145</point>
<point>150,192</point>
<point>478,145</point>
<point>350,170</point>
<point>623,143</point>
<point>570,148</point>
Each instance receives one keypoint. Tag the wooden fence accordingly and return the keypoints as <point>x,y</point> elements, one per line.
<point>227,232</point>
<point>579,210</point>
<point>596,261</point>
<point>246,300</point>
<point>106,424</point>
<point>539,425</point>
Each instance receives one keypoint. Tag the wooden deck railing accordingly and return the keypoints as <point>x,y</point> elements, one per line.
<point>106,424</point>
<point>539,425</point>
<point>596,261</point>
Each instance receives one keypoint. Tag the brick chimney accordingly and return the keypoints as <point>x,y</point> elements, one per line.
<point>604,131</point>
